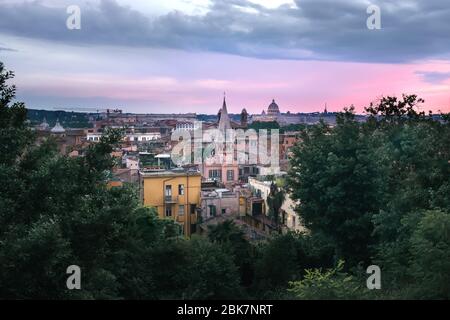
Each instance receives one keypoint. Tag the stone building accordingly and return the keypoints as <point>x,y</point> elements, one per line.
<point>215,168</point>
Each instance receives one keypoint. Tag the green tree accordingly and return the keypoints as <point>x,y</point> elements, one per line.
<point>413,154</point>
<point>212,273</point>
<point>193,269</point>
<point>331,284</point>
<point>430,256</point>
<point>284,258</point>
<point>267,125</point>
<point>334,179</point>
<point>14,134</point>
<point>393,109</point>
<point>57,211</point>
<point>231,236</point>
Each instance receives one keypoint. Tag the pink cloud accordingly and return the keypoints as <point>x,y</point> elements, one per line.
<point>183,82</point>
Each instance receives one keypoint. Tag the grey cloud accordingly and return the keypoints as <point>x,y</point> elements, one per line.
<point>3,47</point>
<point>434,77</point>
<point>316,29</point>
<point>7,49</point>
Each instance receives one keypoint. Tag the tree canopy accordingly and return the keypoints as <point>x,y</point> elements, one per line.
<point>379,189</point>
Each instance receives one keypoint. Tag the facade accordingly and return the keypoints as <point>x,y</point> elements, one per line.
<point>134,137</point>
<point>126,175</point>
<point>143,137</point>
<point>131,162</point>
<point>175,194</point>
<point>187,126</point>
<point>269,171</point>
<point>219,202</point>
<point>261,188</point>
<point>246,171</point>
<point>251,212</point>
<point>287,141</point>
<point>290,218</point>
<point>226,173</point>
<point>249,204</point>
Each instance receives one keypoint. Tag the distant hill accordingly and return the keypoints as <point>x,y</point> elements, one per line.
<point>68,119</point>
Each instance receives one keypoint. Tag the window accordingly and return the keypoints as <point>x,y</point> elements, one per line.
<point>181,189</point>
<point>230,175</point>
<point>193,207</point>
<point>224,211</point>
<point>168,191</point>
<point>181,210</point>
<point>215,174</point>
<point>168,211</point>
<point>212,210</point>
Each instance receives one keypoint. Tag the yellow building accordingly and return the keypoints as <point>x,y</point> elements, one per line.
<point>175,194</point>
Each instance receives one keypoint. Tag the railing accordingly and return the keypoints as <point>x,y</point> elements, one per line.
<point>171,199</point>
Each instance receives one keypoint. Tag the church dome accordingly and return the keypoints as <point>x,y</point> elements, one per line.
<point>58,128</point>
<point>44,125</point>
<point>273,109</point>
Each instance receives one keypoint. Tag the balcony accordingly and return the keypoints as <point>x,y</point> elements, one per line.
<point>170,199</point>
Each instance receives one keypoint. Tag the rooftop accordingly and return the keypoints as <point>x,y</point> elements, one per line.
<point>58,128</point>
<point>176,172</point>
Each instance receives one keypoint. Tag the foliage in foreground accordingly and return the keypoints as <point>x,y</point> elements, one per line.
<point>380,191</point>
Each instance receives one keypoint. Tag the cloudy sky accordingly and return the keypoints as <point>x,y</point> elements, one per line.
<point>181,55</point>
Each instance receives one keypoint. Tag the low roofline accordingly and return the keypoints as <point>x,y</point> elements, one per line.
<point>165,173</point>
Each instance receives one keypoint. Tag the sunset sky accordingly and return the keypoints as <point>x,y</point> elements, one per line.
<point>180,56</point>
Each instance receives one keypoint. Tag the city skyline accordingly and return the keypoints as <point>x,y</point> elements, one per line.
<point>180,56</point>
